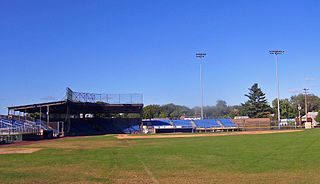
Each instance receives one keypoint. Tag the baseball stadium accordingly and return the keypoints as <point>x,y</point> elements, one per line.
<point>67,142</point>
<point>159,92</point>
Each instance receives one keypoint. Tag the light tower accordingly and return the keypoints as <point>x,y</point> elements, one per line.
<point>201,55</point>
<point>276,52</point>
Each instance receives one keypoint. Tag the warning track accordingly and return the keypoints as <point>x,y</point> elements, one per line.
<point>125,136</point>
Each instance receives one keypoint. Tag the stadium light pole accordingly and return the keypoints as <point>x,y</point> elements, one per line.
<point>276,52</point>
<point>201,55</point>
<point>306,102</point>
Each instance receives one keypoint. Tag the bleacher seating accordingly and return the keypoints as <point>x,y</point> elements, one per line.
<point>157,123</point>
<point>11,126</point>
<point>227,123</point>
<point>207,123</point>
<point>182,123</point>
<point>112,125</point>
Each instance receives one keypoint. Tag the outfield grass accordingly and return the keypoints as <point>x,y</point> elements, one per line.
<point>282,158</point>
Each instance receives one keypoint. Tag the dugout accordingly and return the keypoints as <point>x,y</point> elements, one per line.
<point>173,130</point>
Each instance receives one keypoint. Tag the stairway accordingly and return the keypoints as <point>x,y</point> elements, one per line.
<point>194,125</point>
<point>220,123</point>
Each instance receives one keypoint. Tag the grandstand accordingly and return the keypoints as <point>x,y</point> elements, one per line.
<point>205,125</point>
<point>93,114</point>
<point>86,113</point>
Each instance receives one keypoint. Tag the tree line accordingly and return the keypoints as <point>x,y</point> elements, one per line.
<point>256,106</point>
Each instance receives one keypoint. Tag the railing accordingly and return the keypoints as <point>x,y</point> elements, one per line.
<point>19,130</point>
<point>11,127</point>
<point>105,98</point>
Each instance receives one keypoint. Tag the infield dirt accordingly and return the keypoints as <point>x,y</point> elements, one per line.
<point>126,136</point>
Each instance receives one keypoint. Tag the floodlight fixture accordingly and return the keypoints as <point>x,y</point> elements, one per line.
<point>200,55</point>
<point>276,52</point>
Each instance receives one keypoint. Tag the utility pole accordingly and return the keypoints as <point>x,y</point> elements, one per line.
<point>201,55</point>
<point>299,108</point>
<point>276,52</point>
<point>306,102</point>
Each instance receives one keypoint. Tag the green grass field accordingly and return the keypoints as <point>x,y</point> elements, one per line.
<point>281,158</point>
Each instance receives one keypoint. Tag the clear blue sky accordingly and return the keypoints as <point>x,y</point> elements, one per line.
<point>117,46</point>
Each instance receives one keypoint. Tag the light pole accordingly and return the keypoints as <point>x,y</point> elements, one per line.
<point>306,102</point>
<point>201,55</point>
<point>276,52</point>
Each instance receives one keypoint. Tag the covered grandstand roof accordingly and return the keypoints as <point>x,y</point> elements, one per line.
<point>78,102</point>
<point>78,107</point>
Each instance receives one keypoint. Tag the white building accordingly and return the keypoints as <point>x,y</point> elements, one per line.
<point>311,115</point>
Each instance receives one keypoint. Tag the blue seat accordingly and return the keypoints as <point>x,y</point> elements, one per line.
<point>157,123</point>
<point>182,123</point>
<point>207,123</point>
<point>227,123</point>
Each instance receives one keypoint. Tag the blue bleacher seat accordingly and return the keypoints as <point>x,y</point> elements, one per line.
<point>19,126</point>
<point>207,123</point>
<point>157,123</point>
<point>227,123</point>
<point>182,123</point>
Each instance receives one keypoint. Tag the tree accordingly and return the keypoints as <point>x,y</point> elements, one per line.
<point>257,105</point>
<point>313,102</point>
<point>234,111</point>
<point>318,117</point>
<point>222,109</point>
<point>151,111</point>
<point>163,115</point>
<point>171,111</point>
<point>287,109</point>
<point>167,109</point>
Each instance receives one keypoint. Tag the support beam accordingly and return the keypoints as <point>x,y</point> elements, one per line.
<point>40,114</point>
<point>48,115</point>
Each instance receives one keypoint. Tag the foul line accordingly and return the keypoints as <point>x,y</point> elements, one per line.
<point>144,166</point>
